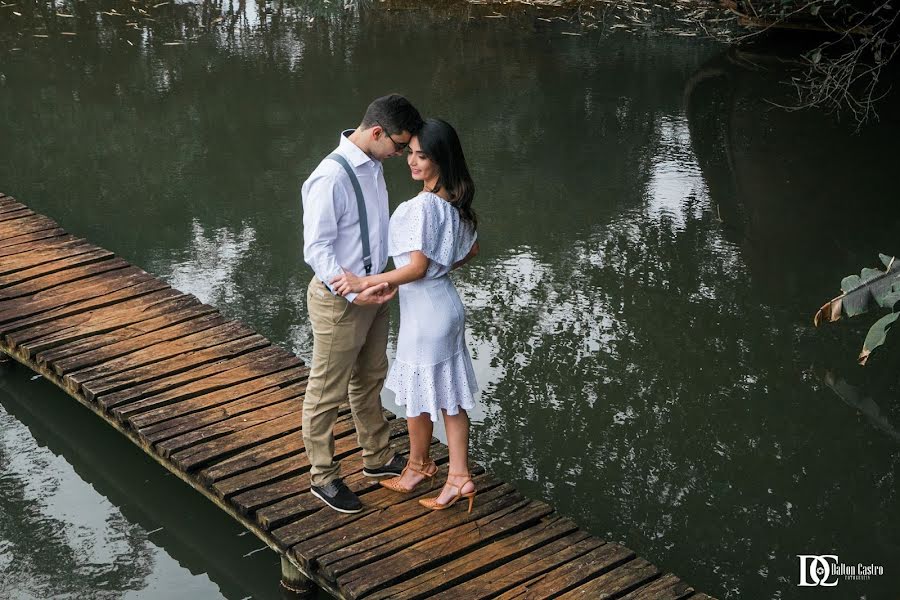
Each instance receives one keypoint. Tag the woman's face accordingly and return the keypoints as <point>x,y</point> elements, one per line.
<point>420,166</point>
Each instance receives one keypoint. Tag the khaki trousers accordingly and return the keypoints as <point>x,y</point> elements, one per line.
<point>349,363</point>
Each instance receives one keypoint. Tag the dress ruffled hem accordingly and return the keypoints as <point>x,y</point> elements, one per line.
<point>448,385</point>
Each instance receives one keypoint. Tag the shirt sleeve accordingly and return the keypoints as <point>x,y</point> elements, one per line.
<point>324,203</point>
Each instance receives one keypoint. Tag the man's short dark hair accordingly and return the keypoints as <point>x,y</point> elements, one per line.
<point>394,113</point>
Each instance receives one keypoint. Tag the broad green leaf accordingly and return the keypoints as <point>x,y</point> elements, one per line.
<point>869,274</point>
<point>863,292</point>
<point>850,283</point>
<point>877,335</point>
<point>889,300</point>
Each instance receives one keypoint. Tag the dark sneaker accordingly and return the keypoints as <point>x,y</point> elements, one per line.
<point>338,496</point>
<point>393,468</point>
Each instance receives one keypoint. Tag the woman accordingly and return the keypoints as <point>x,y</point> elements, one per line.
<point>430,235</point>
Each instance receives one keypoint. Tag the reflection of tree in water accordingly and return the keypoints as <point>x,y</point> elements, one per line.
<point>646,392</point>
<point>47,556</point>
<point>796,189</point>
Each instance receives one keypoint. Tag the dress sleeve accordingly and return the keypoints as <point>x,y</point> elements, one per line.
<point>465,239</point>
<point>428,225</point>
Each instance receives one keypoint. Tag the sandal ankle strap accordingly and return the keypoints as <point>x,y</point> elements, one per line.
<point>423,465</point>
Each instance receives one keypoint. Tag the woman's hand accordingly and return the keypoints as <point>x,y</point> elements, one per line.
<point>349,283</point>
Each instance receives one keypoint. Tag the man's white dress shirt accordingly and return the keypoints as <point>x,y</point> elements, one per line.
<point>331,234</point>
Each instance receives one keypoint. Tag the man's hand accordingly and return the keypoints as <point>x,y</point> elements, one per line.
<point>347,283</point>
<point>377,294</point>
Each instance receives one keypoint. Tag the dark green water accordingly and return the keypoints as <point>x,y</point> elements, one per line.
<point>655,240</point>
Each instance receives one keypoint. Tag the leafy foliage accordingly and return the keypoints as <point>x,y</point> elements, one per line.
<point>872,288</point>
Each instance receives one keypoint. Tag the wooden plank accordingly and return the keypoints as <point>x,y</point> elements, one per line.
<point>538,561</point>
<point>15,214</point>
<point>84,353</point>
<point>170,382</point>
<point>280,501</point>
<point>220,356</point>
<point>321,521</point>
<point>203,454</point>
<point>72,293</point>
<point>667,587</point>
<point>298,463</point>
<point>229,426</point>
<point>471,564</point>
<point>26,225</point>
<point>170,357</point>
<point>43,251</point>
<point>48,267</point>
<point>615,583</point>
<point>572,574</point>
<point>19,243</point>
<point>10,205</point>
<point>338,559</point>
<point>439,548</point>
<point>261,455</point>
<point>193,422</point>
<point>143,301</point>
<point>85,275</point>
<point>29,328</point>
<point>213,391</point>
<point>385,511</point>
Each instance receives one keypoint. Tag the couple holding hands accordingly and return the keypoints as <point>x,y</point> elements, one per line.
<point>348,235</point>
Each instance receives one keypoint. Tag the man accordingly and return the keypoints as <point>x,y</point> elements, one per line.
<point>350,333</point>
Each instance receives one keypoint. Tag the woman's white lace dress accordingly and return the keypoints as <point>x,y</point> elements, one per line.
<point>433,369</point>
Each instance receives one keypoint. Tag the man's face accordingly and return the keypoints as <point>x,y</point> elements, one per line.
<point>386,145</point>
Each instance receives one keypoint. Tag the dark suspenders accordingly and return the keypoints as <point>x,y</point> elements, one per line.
<point>361,207</point>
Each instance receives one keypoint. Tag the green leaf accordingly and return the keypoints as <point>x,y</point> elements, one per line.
<point>850,283</point>
<point>886,260</point>
<point>877,335</point>
<point>863,292</point>
<point>868,275</point>
<point>889,300</point>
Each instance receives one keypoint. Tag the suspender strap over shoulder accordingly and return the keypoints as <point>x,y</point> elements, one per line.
<point>361,207</point>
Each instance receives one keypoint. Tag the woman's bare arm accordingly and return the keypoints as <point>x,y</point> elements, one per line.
<point>416,269</point>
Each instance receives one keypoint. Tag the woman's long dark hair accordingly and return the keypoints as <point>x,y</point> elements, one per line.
<point>439,142</point>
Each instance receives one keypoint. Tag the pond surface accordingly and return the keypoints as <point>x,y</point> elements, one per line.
<point>656,238</point>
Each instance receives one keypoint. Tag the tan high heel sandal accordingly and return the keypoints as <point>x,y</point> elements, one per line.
<point>433,504</point>
<point>426,469</point>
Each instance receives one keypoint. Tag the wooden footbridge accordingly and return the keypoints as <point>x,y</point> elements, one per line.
<point>219,406</point>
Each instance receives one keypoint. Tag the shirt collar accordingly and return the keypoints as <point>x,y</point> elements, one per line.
<point>351,151</point>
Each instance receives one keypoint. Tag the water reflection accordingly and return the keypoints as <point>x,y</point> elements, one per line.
<point>72,520</point>
<point>655,240</point>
